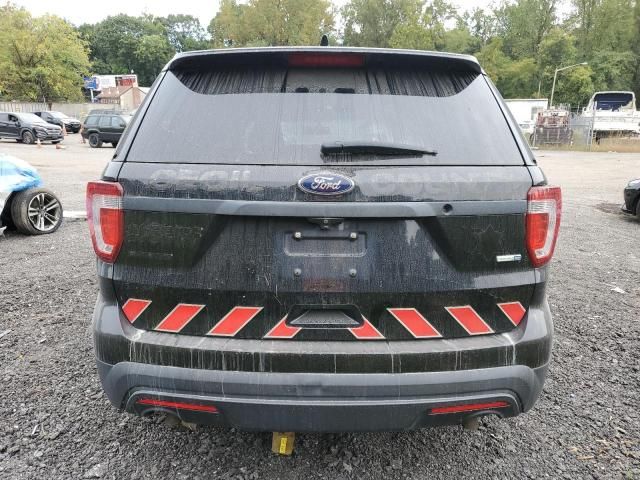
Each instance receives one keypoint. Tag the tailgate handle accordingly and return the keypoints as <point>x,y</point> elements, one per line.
<point>325,316</point>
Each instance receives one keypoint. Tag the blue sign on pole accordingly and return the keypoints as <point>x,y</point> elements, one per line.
<point>90,83</point>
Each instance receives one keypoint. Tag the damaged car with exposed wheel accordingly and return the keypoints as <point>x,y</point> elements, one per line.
<point>323,239</point>
<point>25,205</point>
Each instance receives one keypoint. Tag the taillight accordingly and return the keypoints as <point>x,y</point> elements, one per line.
<point>544,206</point>
<point>325,60</point>
<point>196,407</point>
<point>106,218</point>
<point>469,407</point>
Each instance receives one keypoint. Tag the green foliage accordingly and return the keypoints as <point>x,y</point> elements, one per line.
<point>523,24</point>
<point>460,40</point>
<point>415,24</point>
<point>603,25</point>
<point>185,33</point>
<point>575,87</point>
<point>520,43</point>
<point>143,45</point>
<point>493,59</point>
<point>519,79</point>
<point>613,70</point>
<point>271,22</point>
<point>556,49</point>
<point>40,58</point>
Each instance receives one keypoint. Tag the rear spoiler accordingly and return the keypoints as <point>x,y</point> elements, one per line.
<point>205,59</point>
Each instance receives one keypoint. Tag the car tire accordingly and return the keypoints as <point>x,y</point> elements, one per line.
<point>638,208</point>
<point>36,211</point>
<point>114,144</point>
<point>55,142</point>
<point>94,141</point>
<point>27,137</point>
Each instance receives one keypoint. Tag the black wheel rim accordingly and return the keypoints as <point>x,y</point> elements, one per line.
<point>44,212</point>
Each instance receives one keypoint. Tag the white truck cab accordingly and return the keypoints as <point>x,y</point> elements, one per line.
<point>613,112</point>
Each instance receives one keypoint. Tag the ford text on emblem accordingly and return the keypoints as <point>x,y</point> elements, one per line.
<point>326,183</point>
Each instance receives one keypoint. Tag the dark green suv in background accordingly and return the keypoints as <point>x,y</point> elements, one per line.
<point>105,127</point>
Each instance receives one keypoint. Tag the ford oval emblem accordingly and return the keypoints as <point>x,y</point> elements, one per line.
<point>326,183</point>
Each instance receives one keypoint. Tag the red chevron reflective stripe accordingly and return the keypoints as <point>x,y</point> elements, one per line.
<point>234,321</point>
<point>514,311</point>
<point>178,318</point>
<point>469,319</point>
<point>134,307</point>
<point>414,322</point>
<point>282,330</point>
<point>366,331</point>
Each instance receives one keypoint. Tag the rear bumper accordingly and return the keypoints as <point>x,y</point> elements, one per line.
<point>321,402</point>
<point>321,386</point>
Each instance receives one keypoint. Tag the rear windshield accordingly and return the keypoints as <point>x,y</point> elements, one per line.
<point>283,116</point>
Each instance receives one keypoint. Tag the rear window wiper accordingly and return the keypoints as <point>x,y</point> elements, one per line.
<point>373,148</point>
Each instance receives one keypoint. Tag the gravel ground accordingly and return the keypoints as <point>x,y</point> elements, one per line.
<point>55,421</point>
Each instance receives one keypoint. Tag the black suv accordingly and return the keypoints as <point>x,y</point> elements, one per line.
<point>72,125</point>
<point>323,239</point>
<point>28,128</point>
<point>104,127</point>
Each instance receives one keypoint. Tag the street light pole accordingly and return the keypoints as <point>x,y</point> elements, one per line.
<point>555,76</point>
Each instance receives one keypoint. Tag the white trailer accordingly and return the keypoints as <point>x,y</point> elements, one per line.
<point>525,111</point>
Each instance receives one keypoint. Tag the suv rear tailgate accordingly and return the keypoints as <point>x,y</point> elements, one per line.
<point>228,244</point>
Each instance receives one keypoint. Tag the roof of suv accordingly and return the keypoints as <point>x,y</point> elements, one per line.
<point>187,59</point>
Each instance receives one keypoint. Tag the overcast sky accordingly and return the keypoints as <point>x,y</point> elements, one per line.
<point>84,11</point>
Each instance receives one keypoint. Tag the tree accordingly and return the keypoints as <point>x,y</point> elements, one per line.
<point>123,44</point>
<point>493,59</point>
<point>613,70</point>
<point>603,25</point>
<point>524,24</point>
<point>460,40</point>
<point>271,22</point>
<point>372,23</point>
<point>519,79</point>
<point>574,87</point>
<point>412,32</point>
<point>436,14</point>
<point>185,33</point>
<point>40,58</point>
<point>412,24</point>
<point>227,27</point>
<point>151,54</point>
<point>481,24</point>
<point>636,48</point>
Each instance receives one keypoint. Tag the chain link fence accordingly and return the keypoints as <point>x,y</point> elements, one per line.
<point>561,126</point>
